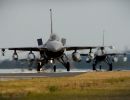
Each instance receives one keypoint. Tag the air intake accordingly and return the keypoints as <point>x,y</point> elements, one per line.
<point>39,41</point>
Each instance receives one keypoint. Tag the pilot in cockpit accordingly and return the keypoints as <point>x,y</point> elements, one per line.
<point>54,37</point>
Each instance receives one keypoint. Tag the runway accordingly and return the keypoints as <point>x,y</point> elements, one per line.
<point>10,76</point>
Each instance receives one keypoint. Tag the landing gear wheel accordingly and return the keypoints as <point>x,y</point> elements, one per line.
<point>110,67</point>
<point>54,68</point>
<point>100,67</point>
<point>38,66</point>
<point>68,66</point>
<point>94,68</point>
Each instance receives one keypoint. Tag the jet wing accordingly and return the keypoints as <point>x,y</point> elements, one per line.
<point>109,54</point>
<point>69,48</point>
<point>114,54</point>
<point>27,48</point>
<point>79,47</point>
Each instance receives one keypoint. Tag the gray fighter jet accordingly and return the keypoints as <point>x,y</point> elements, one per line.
<point>54,49</point>
<point>101,55</point>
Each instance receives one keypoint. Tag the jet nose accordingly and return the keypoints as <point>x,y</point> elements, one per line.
<point>54,46</point>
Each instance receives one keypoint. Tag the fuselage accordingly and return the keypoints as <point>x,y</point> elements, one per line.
<point>100,58</point>
<point>100,55</point>
<point>54,47</point>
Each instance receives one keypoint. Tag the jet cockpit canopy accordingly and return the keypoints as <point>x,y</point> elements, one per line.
<point>54,37</point>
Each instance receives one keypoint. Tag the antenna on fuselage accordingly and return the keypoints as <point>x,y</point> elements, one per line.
<point>51,21</point>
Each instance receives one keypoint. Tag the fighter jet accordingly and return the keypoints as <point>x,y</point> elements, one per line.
<point>101,55</point>
<point>53,50</point>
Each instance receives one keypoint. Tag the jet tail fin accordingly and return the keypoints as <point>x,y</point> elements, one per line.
<point>51,21</point>
<point>103,38</point>
<point>39,41</point>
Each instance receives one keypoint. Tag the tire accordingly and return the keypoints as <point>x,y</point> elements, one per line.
<point>110,67</point>
<point>54,68</point>
<point>38,67</point>
<point>94,67</point>
<point>68,66</point>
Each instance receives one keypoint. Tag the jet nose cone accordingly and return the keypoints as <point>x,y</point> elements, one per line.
<point>54,46</point>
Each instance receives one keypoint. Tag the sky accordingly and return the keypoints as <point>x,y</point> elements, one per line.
<point>81,22</point>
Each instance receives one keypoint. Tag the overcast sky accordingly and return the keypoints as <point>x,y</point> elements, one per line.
<point>81,22</point>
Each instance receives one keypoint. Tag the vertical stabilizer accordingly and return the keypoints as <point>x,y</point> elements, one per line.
<point>103,38</point>
<point>51,21</point>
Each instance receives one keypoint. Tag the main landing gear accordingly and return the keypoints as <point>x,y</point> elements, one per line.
<point>67,66</point>
<point>107,61</point>
<point>62,60</point>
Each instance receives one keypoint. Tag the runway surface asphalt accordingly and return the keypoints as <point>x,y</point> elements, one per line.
<point>9,76</point>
